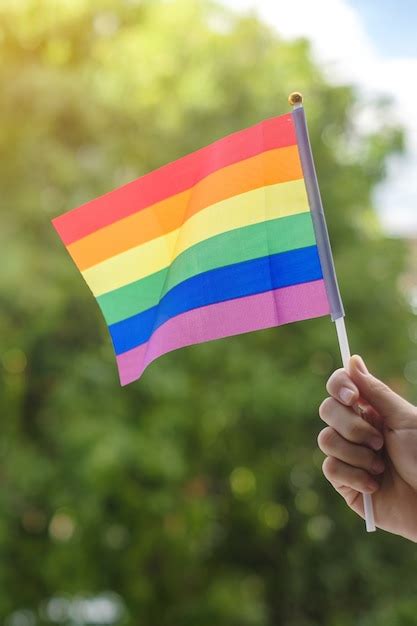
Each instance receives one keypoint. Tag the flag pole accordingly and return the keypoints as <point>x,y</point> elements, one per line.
<point>325,252</point>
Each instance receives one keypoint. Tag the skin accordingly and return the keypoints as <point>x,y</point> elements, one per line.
<point>374,453</point>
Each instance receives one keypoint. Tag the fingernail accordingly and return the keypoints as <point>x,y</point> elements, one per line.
<point>378,466</point>
<point>361,365</point>
<point>376,443</point>
<point>346,395</point>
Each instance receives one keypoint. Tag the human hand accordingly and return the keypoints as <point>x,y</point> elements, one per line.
<point>376,454</point>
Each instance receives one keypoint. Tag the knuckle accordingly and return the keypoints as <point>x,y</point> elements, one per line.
<point>329,467</point>
<point>326,439</point>
<point>326,408</point>
<point>335,380</point>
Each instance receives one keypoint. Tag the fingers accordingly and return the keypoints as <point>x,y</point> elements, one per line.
<point>340,474</point>
<point>349,425</point>
<point>349,441</point>
<point>333,445</point>
<point>353,498</point>
<point>341,387</point>
<point>398,413</point>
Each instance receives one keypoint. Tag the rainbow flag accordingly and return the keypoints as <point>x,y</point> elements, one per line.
<point>217,243</point>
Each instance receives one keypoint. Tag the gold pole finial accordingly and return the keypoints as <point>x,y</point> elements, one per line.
<point>295,98</point>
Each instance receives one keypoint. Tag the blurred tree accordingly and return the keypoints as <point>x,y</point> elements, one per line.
<point>196,494</point>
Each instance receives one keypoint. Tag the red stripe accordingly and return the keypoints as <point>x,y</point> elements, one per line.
<point>175,177</point>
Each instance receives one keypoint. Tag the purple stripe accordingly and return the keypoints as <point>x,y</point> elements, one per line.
<point>233,317</point>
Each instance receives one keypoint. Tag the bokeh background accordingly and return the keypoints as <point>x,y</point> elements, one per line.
<point>195,496</point>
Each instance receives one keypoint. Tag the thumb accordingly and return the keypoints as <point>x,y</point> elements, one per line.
<point>397,412</point>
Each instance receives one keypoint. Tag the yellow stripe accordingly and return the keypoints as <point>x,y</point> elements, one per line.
<point>255,206</point>
<point>159,219</point>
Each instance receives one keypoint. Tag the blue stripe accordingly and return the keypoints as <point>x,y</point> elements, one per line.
<point>224,283</point>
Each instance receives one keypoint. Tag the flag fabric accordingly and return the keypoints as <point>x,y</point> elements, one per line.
<point>217,243</point>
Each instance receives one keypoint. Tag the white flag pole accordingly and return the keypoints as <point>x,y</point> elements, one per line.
<point>345,352</point>
<point>324,250</point>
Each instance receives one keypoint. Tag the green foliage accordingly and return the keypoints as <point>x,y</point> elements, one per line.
<point>196,494</point>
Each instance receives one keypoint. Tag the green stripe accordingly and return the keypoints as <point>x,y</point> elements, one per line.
<point>234,246</point>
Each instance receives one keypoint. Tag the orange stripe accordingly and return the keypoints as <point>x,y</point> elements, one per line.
<point>267,168</point>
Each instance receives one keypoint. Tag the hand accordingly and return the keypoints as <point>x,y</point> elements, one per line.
<point>376,454</point>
